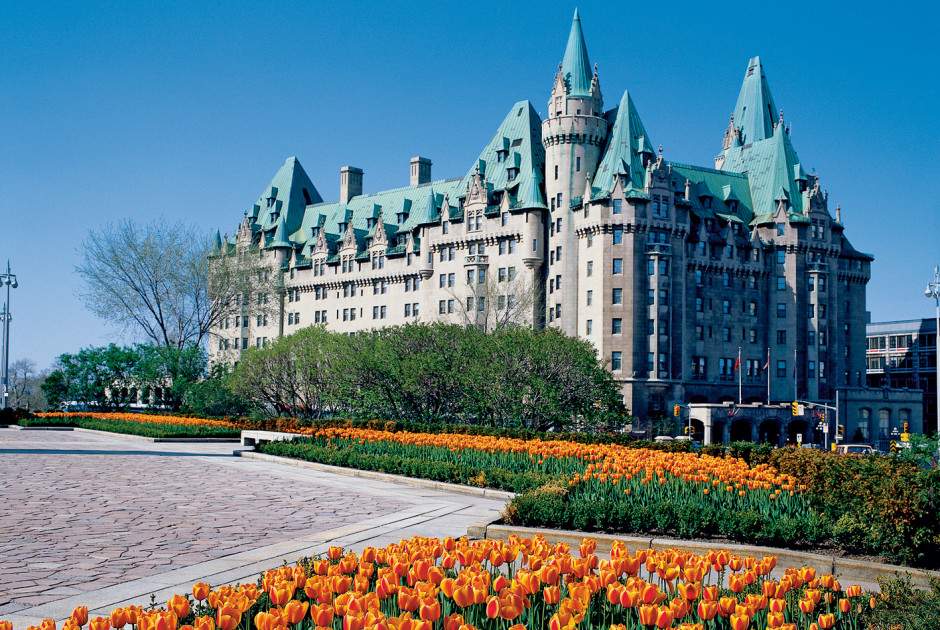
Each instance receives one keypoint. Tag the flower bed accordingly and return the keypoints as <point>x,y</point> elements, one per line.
<point>157,426</point>
<point>518,584</point>
<point>796,498</point>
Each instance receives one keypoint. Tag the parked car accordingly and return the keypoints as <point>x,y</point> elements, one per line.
<point>855,449</point>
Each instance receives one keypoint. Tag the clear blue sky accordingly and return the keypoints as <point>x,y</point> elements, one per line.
<point>186,110</point>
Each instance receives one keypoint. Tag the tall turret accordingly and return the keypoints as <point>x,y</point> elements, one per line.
<point>572,135</point>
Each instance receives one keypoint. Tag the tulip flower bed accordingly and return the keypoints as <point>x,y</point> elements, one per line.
<point>586,486</point>
<point>157,426</point>
<point>519,584</point>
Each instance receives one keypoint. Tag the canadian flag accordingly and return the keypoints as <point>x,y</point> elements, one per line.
<point>737,364</point>
<point>766,365</point>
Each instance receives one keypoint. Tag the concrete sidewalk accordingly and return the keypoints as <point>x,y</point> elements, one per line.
<point>103,521</point>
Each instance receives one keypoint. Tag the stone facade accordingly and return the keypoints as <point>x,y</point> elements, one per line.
<point>672,271</point>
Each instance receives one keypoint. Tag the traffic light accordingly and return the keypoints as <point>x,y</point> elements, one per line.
<point>794,408</point>
<point>675,410</point>
<point>841,431</point>
<point>905,428</point>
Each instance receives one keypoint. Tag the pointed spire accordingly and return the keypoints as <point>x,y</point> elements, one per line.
<point>280,238</point>
<point>576,67</point>
<point>217,245</point>
<point>755,111</point>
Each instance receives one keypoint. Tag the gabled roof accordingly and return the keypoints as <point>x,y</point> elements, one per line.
<point>279,238</point>
<point>523,127</point>
<point>722,187</point>
<point>576,67</point>
<point>625,140</point>
<point>755,112</point>
<point>290,192</point>
<point>770,166</point>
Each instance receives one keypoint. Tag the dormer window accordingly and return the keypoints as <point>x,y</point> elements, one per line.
<point>274,216</point>
<point>501,155</point>
<point>512,172</point>
<point>314,232</point>
<point>370,223</point>
<point>270,201</point>
<point>400,217</point>
<point>707,203</point>
<point>342,228</point>
<point>368,242</point>
<point>733,206</point>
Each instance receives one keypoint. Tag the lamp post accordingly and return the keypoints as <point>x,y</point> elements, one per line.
<point>8,279</point>
<point>933,291</point>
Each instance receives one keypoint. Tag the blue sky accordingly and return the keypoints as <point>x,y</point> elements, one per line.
<point>186,110</point>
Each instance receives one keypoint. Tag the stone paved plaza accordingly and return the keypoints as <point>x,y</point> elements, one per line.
<point>105,521</point>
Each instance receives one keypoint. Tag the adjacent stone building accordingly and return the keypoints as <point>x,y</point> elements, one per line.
<point>674,272</point>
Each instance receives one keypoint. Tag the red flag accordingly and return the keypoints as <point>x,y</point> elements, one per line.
<point>766,365</point>
<point>737,364</point>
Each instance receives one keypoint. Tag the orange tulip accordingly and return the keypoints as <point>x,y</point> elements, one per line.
<point>492,607</point>
<point>727,605</point>
<point>740,622</point>
<point>281,593</point>
<point>453,622</point>
<point>736,582</point>
<point>179,605</point>
<point>807,606</point>
<point>845,605</point>
<point>118,618</point>
<point>47,624</point>
<point>6,625</point>
<point>204,623</point>
<point>104,623</point>
<point>853,591</point>
<point>80,615</point>
<point>227,617</point>
<point>707,610</point>
<point>201,591</point>
<point>335,553</point>
<point>710,593</point>
<point>295,611</point>
<point>322,614</point>
<point>551,594</point>
<point>775,619</point>
<point>827,621</point>
<point>430,611</point>
<point>664,617</point>
<point>648,614</point>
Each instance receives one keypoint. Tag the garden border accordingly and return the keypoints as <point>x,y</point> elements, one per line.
<point>130,436</point>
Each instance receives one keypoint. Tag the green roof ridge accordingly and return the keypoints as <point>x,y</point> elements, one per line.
<point>623,143</point>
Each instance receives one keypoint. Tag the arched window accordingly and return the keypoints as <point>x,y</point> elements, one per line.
<point>864,417</point>
<point>884,422</point>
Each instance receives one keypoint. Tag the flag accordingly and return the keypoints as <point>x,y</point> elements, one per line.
<point>737,364</point>
<point>766,365</point>
<point>732,412</point>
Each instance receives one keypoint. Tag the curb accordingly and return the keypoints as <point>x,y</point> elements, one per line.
<point>844,568</point>
<point>143,438</point>
<point>487,493</point>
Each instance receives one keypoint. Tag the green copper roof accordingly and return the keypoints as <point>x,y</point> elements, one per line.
<point>278,239</point>
<point>285,198</point>
<point>755,112</point>
<point>217,243</point>
<point>770,166</point>
<point>625,140</point>
<point>523,128</point>
<point>576,67</point>
<point>720,187</point>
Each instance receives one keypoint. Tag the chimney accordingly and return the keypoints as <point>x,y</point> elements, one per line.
<point>350,183</point>
<point>420,171</point>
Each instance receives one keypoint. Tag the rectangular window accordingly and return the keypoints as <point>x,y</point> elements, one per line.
<point>781,283</point>
<point>452,253</point>
<point>699,332</point>
<point>618,265</point>
<point>512,274</point>
<point>699,305</point>
<point>618,236</point>
<point>616,359</point>
<point>781,368</point>
<point>512,247</point>
<point>781,337</point>
<point>504,219</point>
<point>810,338</point>
<point>469,304</point>
<point>781,256</point>
<point>651,297</point>
<point>616,326</point>
<point>726,307</point>
<point>481,303</point>
<point>450,306</point>
<point>781,310</point>
<point>753,335</point>
<point>781,229</point>
<point>442,278</point>
<point>442,307</point>
<point>407,310</point>
<point>590,297</point>
<point>502,247</point>
<point>375,312</point>
<point>618,296</point>
<point>589,327</point>
<point>811,369</point>
<point>590,268</point>
<point>481,276</point>
<point>752,308</point>
<point>726,334</point>
<point>501,276</point>
<point>617,206</point>
<point>450,279</point>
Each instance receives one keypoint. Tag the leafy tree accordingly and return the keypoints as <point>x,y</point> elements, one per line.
<point>55,388</point>
<point>101,378</point>
<point>213,396</point>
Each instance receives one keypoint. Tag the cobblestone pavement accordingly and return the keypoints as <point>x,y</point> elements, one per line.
<point>84,515</point>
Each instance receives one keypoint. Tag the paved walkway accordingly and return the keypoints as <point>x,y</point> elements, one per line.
<point>106,521</point>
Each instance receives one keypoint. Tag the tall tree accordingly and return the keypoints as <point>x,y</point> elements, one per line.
<point>158,279</point>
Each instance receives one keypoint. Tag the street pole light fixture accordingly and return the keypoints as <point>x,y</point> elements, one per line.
<point>9,279</point>
<point>933,291</point>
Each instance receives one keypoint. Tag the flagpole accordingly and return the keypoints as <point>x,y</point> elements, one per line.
<point>767,367</point>
<point>740,372</point>
<point>795,394</point>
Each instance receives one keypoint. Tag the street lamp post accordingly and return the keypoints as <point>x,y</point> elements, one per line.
<point>8,279</point>
<point>933,291</point>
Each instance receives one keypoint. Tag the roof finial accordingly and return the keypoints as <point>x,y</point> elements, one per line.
<point>660,150</point>
<point>838,213</point>
<point>559,66</point>
<point>595,69</point>
<point>781,117</point>
<point>688,187</point>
